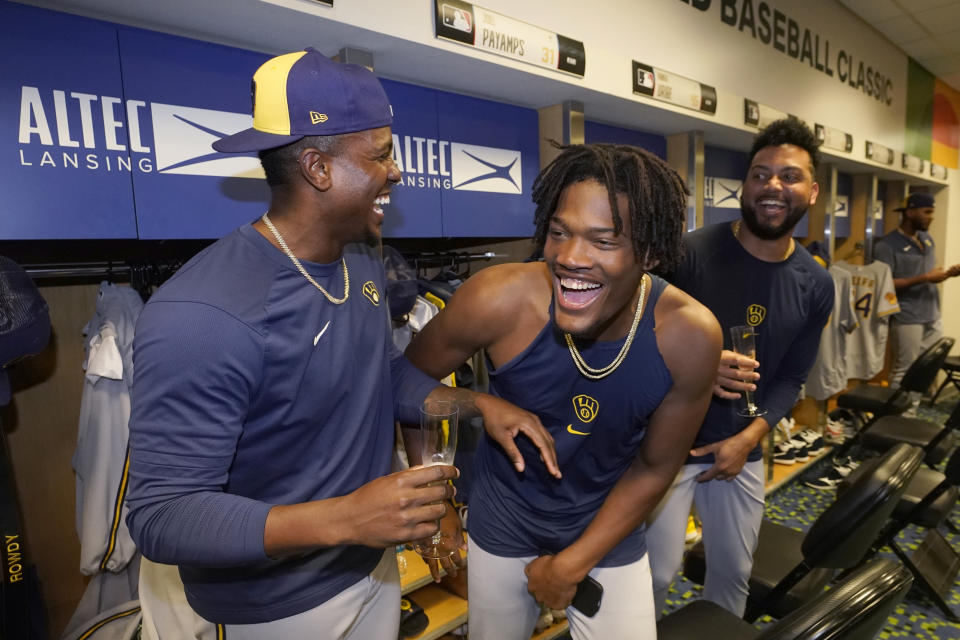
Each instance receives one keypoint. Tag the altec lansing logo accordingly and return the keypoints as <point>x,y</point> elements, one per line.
<point>723,193</point>
<point>83,131</point>
<point>75,130</point>
<point>428,163</point>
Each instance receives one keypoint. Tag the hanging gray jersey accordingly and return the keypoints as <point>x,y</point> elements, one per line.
<point>106,591</point>
<point>875,300</point>
<point>119,623</point>
<point>100,459</point>
<point>828,375</point>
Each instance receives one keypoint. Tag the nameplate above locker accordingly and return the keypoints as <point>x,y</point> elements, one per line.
<point>669,87</point>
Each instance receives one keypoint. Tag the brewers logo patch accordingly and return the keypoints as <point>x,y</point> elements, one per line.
<point>371,293</point>
<point>755,314</point>
<point>586,407</point>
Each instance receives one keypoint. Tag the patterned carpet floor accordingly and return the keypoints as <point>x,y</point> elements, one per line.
<point>797,506</point>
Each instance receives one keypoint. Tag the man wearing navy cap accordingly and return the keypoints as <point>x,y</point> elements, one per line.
<point>266,385</point>
<point>909,251</point>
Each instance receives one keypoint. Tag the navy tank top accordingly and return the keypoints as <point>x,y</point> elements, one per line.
<point>597,426</point>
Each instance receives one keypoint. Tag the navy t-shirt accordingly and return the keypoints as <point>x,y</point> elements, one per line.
<point>788,303</point>
<point>251,389</point>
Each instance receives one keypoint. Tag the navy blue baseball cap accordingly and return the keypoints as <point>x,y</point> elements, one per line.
<point>24,320</point>
<point>916,201</point>
<point>307,94</point>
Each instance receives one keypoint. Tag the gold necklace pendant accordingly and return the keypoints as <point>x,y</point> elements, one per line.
<point>296,263</point>
<point>603,372</point>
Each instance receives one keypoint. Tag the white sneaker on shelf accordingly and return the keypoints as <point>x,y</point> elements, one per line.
<point>784,453</point>
<point>814,441</point>
<point>786,426</point>
<point>834,431</point>
<point>801,448</point>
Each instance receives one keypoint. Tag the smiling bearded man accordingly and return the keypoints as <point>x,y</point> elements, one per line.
<point>617,364</point>
<point>747,273</point>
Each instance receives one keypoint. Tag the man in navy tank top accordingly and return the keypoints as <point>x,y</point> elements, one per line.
<point>619,367</point>
<point>749,272</point>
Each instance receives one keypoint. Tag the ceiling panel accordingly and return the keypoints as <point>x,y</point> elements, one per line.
<point>923,48</point>
<point>901,29</point>
<point>912,6</point>
<point>927,30</point>
<point>943,65</point>
<point>940,20</point>
<point>873,10</point>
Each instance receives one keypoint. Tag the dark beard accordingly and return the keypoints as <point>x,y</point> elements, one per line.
<point>749,215</point>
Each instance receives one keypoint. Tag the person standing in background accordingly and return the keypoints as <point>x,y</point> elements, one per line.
<point>909,250</point>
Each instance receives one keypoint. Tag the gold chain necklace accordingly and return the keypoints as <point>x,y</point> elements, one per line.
<point>296,263</point>
<point>596,374</point>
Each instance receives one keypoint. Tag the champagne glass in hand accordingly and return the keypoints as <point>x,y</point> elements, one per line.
<point>743,340</point>
<point>439,420</point>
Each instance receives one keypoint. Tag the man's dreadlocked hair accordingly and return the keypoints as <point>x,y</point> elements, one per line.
<point>789,130</point>
<point>656,194</point>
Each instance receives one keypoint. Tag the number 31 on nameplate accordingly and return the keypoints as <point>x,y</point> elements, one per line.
<point>548,56</point>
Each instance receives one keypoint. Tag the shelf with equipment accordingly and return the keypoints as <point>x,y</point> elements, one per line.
<point>446,611</point>
<point>414,572</point>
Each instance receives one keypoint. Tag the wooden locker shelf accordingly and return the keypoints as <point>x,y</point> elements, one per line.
<point>417,574</point>
<point>445,611</point>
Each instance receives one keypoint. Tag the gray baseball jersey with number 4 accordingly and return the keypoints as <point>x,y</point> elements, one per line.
<point>874,300</point>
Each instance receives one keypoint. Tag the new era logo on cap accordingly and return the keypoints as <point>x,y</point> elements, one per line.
<point>296,92</point>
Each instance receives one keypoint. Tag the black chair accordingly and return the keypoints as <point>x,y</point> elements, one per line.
<point>951,367</point>
<point>926,503</point>
<point>937,440</point>
<point>886,401</point>
<point>856,608</point>
<point>791,567</point>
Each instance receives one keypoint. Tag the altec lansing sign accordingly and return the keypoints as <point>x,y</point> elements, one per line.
<point>83,131</point>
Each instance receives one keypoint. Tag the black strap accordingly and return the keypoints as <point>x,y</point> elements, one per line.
<point>21,606</point>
